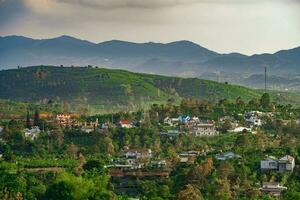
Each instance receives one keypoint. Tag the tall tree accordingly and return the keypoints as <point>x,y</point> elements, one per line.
<point>265,101</point>
<point>36,120</point>
<point>28,123</point>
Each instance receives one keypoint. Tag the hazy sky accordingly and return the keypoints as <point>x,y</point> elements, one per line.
<point>246,26</point>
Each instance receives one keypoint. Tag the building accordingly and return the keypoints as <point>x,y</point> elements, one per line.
<point>286,163</point>
<point>227,155</point>
<point>184,119</point>
<point>240,129</point>
<point>158,163</point>
<point>269,163</point>
<point>186,156</point>
<point>32,133</point>
<point>125,124</point>
<point>253,118</point>
<point>203,129</point>
<point>171,121</point>
<point>272,188</point>
<point>63,120</point>
<point>138,153</point>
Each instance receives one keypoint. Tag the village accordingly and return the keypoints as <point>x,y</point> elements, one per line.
<point>132,163</point>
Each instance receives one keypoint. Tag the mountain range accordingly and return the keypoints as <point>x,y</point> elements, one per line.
<point>181,58</point>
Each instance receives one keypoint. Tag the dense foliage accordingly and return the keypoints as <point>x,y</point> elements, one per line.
<point>67,163</point>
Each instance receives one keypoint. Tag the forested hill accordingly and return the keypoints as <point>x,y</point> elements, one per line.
<point>101,87</point>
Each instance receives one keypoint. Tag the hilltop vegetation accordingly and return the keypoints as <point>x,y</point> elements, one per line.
<point>101,89</point>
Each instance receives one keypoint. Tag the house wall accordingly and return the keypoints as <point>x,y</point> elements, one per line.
<point>268,164</point>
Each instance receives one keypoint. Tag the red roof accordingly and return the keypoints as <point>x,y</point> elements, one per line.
<point>124,122</point>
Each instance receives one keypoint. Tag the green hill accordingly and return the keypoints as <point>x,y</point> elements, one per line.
<point>106,89</point>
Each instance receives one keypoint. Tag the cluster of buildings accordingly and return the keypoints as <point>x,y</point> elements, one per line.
<point>192,125</point>
<point>136,158</point>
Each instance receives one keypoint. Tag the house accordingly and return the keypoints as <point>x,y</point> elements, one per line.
<point>253,118</point>
<point>227,155</point>
<point>185,156</point>
<point>171,121</point>
<point>63,120</point>
<point>272,188</point>
<point>286,163</point>
<point>32,133</point>
<point>240,129</point>
<point>87,129</point>
<point>203,129</point>
<point>138,153</point>
<point>269,163</point>
<point>194,120</point>
<point>184,119</point>
<point>158,163</point>
<point>125,124</point>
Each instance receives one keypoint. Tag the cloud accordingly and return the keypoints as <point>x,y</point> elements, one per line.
<point>10,11</point>
<point>119,4</point>
<point>224,25</point>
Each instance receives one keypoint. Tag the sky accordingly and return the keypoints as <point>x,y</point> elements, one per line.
<point>244,26</point>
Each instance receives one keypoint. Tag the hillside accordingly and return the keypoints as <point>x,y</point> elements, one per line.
<point>102,88</point>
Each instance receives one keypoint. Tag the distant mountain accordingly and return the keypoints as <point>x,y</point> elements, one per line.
<point>182,58</point>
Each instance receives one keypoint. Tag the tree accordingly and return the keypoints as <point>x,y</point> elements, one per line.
<point>189,193</point>
<point>206,167</point>
<point>94,165</point>
<point>69,187</point>
<point>225,169</point>
<point>226,126</point>
<point>222,190</point>
<point>58,135</point>
<point>36,120</point>
<point>28,123</point>
<point>265,101</point>
<point>72,150</point>
<point>242,142</point>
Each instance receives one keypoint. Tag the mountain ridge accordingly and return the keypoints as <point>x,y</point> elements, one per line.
<point>179,58</point>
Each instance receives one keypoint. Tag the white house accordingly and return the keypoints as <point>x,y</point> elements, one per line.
<point>269,163</point>
<point>32,133</point>
<point>203,129</point>
<point>185,156</point>
<point>240,129</point>
<point>171,121</point>
<point>254,121</point>
<point>138,153</point>
<point>253,118</point>
<point>286,163</point>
